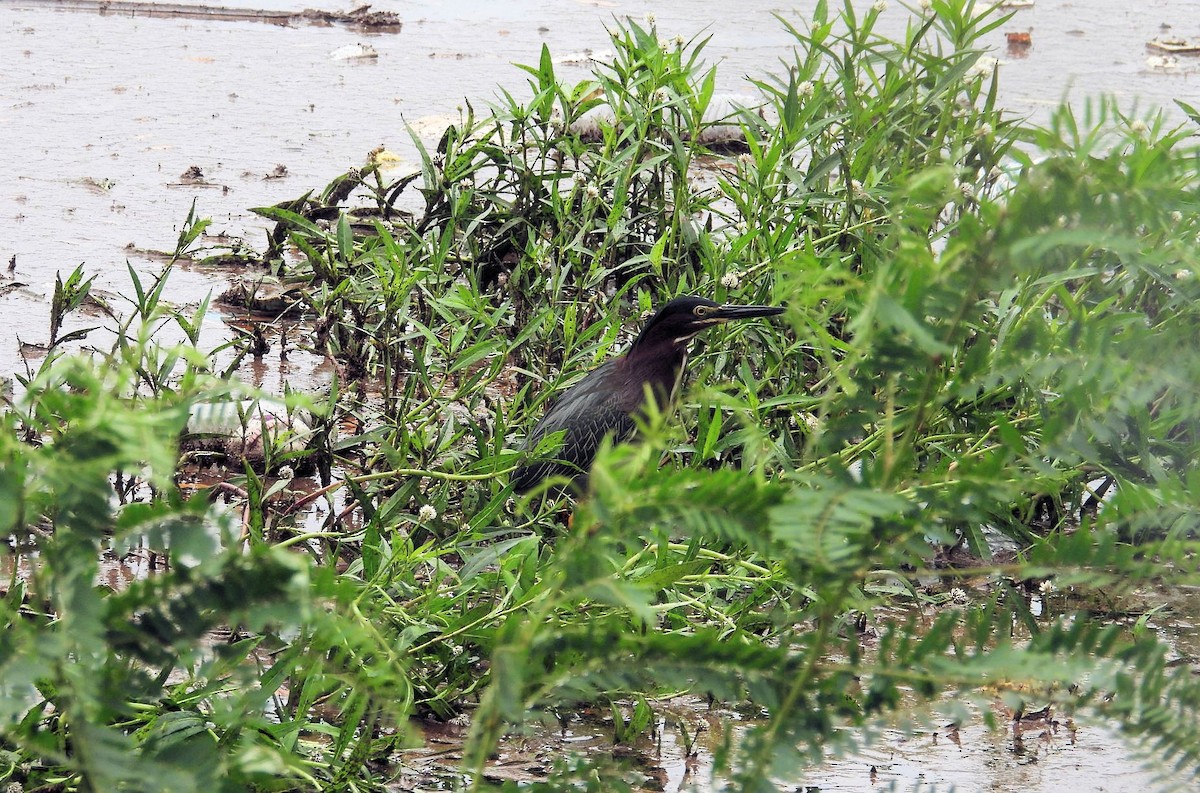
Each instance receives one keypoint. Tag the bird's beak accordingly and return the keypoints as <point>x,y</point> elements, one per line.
<point>731,312</point>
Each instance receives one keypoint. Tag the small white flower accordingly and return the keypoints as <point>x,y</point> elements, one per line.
<point>740,227</point>
<point>984,67</point>
<point>427,513</point>
<point>731,279</point>
<point>1183,275</point>
<point>879,6</point>
<point>1176,216</point>
<point>810,421</point>
<point>591,191</point>
<point>1139,128</point>
<point>661,96</point>
<point>679,41</point>
<point>968,190</point>
<point>1046,587</point>
<point>806,88</point>
<point>746,159</point>
<point>856,189</point>
<point>925,5</point>
<point>651,19</point>
<point>286,472</point>
<point>958,595</point>
<point>983,131</point>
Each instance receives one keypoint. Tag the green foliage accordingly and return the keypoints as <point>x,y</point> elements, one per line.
<point>991,347</point>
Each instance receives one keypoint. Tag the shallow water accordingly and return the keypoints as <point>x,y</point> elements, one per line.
<point>1036,755</point>
<point>101,115</point>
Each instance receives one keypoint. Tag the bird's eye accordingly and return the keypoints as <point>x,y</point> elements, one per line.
<point>700,311</point>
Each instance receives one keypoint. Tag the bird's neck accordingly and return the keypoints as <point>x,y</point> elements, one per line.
<point>662,363</point>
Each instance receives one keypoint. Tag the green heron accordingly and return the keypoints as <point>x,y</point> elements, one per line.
<point>607,400</point>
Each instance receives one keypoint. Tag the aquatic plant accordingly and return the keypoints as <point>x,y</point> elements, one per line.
<point>973,448</point>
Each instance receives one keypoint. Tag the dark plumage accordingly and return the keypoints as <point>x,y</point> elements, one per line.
<point>605,402</point>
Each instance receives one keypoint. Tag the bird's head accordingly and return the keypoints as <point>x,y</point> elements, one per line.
<point>682,318</point>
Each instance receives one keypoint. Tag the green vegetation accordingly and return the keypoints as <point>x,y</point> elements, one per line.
<point>992,338</point>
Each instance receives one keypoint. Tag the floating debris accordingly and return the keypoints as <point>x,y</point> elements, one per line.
<point>362,16</point>
<point>1175,46</point>
<point>354,52</point>
<point>1019,42</point>
<point>243,430</point>
<point>266,294</point>
<point>717,136</point>
<point>386,159</point>
<point>97,185</point>
<point>1162,62</point>
<point>585,57</point>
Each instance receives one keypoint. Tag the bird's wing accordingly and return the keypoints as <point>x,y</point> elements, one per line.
<point>590,411</point>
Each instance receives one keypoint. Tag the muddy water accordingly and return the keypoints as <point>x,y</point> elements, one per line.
<point>1035,757</point>
<point>101,114</point>
<point>1043,753</point>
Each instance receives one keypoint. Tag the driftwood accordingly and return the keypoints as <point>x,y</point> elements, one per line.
<point>360,17</point>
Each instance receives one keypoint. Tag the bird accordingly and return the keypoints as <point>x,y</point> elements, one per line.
<point>607,402</point>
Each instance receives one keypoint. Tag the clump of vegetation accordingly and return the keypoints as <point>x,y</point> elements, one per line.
<point>988,387</point>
